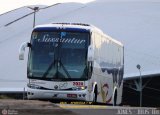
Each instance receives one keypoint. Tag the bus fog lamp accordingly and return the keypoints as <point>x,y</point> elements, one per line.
<point>83,95</point>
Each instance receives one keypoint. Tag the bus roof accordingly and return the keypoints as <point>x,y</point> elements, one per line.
<point>67,26</point>
<point>74,27</point>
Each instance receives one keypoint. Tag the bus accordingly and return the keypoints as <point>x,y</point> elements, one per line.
<point>74,61</point>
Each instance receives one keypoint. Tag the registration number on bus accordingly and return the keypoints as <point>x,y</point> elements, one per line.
<point>78,84</point>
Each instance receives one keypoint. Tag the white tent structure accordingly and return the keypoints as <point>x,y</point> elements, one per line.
<point>133,22</point>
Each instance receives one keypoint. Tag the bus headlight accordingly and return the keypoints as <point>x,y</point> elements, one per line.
<point>80,88</point>
<point>32,86</point>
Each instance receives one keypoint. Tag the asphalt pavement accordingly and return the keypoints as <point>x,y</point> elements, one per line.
<point>35,107</point>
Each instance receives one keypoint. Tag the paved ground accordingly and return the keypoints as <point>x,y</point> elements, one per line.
<point>110,110</point>
<point>32,107</point>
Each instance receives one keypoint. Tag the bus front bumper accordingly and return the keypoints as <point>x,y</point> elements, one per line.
<point>80,95</point>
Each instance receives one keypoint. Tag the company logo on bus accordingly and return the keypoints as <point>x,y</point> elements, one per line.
<point>56,87</point>
<point>78,84</point>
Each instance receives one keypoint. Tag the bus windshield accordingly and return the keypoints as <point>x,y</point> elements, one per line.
<point>58,55</point>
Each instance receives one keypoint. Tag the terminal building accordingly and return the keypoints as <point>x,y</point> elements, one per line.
<point>150,91</point>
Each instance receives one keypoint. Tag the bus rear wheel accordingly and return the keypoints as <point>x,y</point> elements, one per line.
<point>115,99</point>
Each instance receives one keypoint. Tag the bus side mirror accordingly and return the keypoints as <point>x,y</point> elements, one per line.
<point>90,56</point>
<point>22,50</point>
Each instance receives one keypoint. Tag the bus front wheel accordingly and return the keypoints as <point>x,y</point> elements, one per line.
<point>95,95</point>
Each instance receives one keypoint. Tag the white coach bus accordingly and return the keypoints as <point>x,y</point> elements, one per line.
<point>74,61</point>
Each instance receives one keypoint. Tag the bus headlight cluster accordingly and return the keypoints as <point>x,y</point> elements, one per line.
<point>32,86</point>
<point>79,88</point>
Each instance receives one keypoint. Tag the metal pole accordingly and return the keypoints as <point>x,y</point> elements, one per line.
<point>140,88</point>
<point>34,18</point>
<point>23,92</point>
<point>35,9</point>
<point>140,84</point>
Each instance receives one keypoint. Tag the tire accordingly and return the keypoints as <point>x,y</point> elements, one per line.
<point>115,99</point>
<point>95,96</point>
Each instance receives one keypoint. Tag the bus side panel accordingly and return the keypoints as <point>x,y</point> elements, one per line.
<point>101,76</point>
<point>120,77</point>
<point>107,68</point>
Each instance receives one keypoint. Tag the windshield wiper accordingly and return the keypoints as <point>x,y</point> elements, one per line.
<point>65,70</point>
<point>49,68</point>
